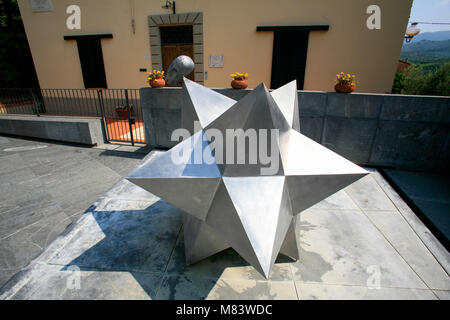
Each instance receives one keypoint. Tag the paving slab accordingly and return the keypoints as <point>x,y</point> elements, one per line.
<point>46,186</point>
<point>129,245</point>
<point>309,291</point>
<point>442,294</point>
<point>429,193</point>
<point>428,239</point>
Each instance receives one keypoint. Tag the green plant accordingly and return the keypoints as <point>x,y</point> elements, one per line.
<point>348,78</point>
<point>419,82</point>
<point>156,74</point>
<point>398,83</point>
<point>440,81</point>
<point>239,76</point>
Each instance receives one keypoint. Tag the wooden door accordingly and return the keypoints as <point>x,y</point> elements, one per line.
<point>170,52</point>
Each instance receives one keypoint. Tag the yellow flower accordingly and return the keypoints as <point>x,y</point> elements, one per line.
<point>246,75</point>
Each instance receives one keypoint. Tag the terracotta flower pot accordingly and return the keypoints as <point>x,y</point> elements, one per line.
<point>123,113</point>
<point>158,82</point>
<point>344,87</point>
<point>239,84</point>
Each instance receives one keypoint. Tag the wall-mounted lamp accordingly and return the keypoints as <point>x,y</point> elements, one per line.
<point>169,5</point>
<point>411,31</point>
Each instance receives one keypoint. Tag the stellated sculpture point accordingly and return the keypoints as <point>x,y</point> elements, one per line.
<point>237,205</point>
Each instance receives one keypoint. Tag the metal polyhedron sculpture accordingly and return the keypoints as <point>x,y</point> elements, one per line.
<point>234,205</point>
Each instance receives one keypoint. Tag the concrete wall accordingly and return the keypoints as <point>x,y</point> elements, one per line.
<point>405,132</point>
<point>229,29</point>
<point>69,129</point>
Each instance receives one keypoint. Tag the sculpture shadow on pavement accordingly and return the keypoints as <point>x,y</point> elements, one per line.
<point>149,245</point>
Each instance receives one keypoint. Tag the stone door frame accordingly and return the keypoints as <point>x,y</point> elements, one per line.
<point>191,18</point>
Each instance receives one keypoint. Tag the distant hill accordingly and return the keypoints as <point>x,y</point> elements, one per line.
<point>425,50</point>
<point>429,54</point>
<point>432,36</point>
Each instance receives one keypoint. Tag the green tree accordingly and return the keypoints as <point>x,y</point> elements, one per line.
<point>16,64</point>
<point>440,81</point>
<point>398,83</point>
<point>417,80</point>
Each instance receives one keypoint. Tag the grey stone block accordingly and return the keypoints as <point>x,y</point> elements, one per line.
<point>354,105</point>
<point>157,19</point>
<point>413,108</point>
<point>191,16</point>
<point>168,121</point>
<point>408,145</point>
<point>312,127</point>
<point>199,76</point>
<point>165,18</point>
<point>444,156</point>
<point>198,67</point>
<point>154,31</point>
<point>6,126</point>
<point>70,129</point>
<point>198,48</point>
<point>312,103</point>
<point>198,58</point>
<point>235,94</point>
<point>29,127</point>
<point>199,18</point>
<point>151,21</point>
<point>198,38</point>
<point>347,123</point>
<point>198,28</point>
<point>182,17</point>
<point>173,18</point>
<point>351,138</point>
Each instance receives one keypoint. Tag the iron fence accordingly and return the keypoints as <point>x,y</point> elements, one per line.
<point>120,109</point>
<point>21,101</point>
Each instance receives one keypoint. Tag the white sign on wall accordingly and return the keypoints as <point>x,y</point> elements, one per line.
<point>216,61</point>
<point>41,5</point>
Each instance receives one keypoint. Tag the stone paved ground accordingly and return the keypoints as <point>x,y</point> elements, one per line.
<point>430,194</point>
<point>361,243</point>
<point>44,187</point>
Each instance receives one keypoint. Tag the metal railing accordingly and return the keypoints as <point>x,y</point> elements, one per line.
<point>120,109</point>
<point>21,101</point>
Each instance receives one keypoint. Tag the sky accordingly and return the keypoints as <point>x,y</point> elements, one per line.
<point>431,11</point>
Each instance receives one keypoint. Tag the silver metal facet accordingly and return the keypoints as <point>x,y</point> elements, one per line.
<point>204,104</point>
<point>233,204</point>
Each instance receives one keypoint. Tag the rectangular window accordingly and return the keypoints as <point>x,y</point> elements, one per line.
<point>91,59</point>
<point>290,48</point>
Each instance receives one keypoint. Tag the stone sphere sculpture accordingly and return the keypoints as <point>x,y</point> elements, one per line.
<point>180,67</point>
